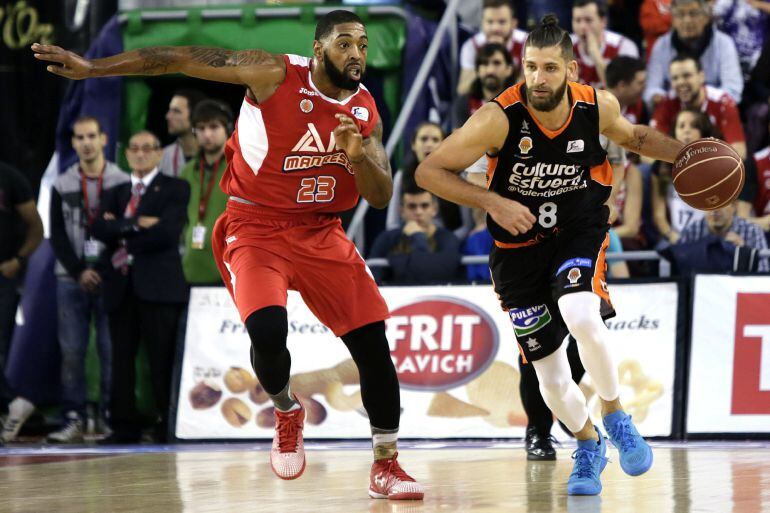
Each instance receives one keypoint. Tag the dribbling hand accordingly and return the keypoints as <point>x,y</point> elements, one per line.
<point>65,63</point>
<point>511,215</point>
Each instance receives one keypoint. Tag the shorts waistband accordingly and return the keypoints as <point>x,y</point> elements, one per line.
<point>244,206</point>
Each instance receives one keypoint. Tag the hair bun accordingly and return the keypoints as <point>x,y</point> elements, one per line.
<point>550,20</point>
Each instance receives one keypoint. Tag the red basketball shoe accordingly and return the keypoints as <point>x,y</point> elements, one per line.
<point>389,481</point>
<point>287,457</point>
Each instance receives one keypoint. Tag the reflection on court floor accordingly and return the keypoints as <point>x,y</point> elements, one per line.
<point>460,477</point>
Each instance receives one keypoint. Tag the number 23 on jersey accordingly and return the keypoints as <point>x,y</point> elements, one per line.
<point>316,189</point>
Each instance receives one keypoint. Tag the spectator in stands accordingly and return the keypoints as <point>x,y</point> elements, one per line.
<point>626,77</point>
<point>494,74</point>
<point>427,136</point>
<point>145,290</point>
<point>212,123</point>
<point>594,45</point>
<point>75,202</point>
<point>690,91</point>
<point>745,21</point>
<point>761,205</point>
<point>671,214</point>
<point>184,147</point>
<point>21,231</point>
<point>655,20</point>
<point>756,102</point>
<point>478,242</point>
<point>498,25</point>
<point>719,240</point>
<point>694,34</point>
<point>419,252</point>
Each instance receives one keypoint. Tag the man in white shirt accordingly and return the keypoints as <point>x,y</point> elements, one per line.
<point>184,147</point>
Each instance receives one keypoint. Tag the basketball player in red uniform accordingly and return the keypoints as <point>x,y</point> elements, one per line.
<point>308,141</point>
<point>547,184</point>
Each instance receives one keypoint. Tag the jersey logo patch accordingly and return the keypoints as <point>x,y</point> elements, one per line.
<point>306,106</point>
<point>575,262</point>
<point>524,127</point>
<point>573,275</point>
<point>533,344</point>
<point>361,113</point>
<point>528,320</point>
<point>525,144</point>
<point>575,146</point>
<point>326,154</point>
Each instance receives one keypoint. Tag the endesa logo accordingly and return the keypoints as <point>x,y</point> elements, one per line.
<point>440,343</point>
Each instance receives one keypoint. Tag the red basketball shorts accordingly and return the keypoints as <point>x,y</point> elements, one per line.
<point>261,255</point>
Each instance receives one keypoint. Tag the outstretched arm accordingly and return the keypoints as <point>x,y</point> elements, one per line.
<point>256,69</point>
<point>484,132</point>
<point>637,138</point>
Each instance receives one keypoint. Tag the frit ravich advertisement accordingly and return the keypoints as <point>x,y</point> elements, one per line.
<point>455,354</point>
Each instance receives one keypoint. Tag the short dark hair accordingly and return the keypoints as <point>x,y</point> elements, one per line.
<point>601,6</point>
<point>213,110</point>
<point>147,132</point>
<point>86,118</point>
<point>679,3</point>
<point>411,187</point>
<point>193,97</point>
<point>681,57</point>
<point>549,34</point>
<point>327,22</point>
<point>494,4</point>
<point>487,51</point>
<point>623,69</point>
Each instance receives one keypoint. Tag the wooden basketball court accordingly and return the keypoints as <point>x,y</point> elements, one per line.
<point>459,477</point>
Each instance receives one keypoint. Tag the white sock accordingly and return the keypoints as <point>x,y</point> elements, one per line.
<point>581,314</point>
<point>561,394</point>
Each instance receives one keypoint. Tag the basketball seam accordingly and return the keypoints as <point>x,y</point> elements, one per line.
<point>701,162</point>
<point>731,197</point>
<point>714,185</point>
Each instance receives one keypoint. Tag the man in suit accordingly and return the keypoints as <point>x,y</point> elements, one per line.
<point>145,289</point>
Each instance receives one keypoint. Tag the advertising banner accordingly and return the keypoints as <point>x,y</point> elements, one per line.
<point>454,351</point>
<point>729,388</point>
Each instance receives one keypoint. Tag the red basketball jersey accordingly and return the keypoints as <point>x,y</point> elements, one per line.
<point>762,201</point>
<point>282,154</point>
<point>614,45</point>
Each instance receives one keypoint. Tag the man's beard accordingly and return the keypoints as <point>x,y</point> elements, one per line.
<point>340,78</point>
<point>549,103</point>
<point>492,83</point>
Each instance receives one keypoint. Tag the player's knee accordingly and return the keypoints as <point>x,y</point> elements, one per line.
<point>268,328</point>
<point>581,314</point>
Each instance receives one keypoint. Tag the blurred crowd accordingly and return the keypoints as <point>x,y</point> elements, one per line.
<point>129,243</point>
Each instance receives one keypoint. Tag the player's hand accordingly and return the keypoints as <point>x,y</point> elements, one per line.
<point>348,137</point>
<point>736,239</point>
<point>65,63</point>
<point>511,215</point>
<point>411,228</point>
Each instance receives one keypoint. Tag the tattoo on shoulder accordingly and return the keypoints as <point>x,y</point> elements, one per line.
<point>220,58</point>
<point>156,59</point>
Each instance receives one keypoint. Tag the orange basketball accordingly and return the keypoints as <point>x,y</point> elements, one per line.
<point>708,174</point>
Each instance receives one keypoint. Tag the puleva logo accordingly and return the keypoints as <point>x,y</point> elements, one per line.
<point>528,320</point>
<point>439,343</point>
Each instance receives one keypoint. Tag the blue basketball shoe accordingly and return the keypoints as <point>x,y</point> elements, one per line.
<point>635,453</point>
<point>589,463</point>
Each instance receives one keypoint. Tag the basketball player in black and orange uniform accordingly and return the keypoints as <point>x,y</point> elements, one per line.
<point>548,180</point>
<point>308,141</point>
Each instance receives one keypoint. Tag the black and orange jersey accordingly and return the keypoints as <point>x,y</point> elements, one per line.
<point>562,176</point>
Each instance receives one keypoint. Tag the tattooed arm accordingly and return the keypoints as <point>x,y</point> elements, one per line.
<point>258,70</point>
<point>640,139</point>
<point>369,160</point>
